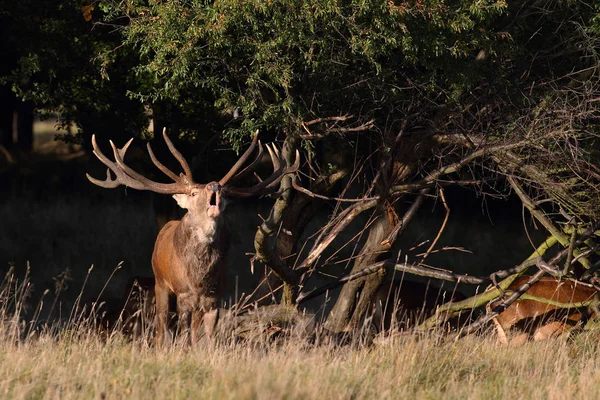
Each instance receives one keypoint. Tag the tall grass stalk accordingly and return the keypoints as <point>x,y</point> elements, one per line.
<point>76,359</point>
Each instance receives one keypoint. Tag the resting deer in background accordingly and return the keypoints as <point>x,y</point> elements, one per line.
<point>538,320</point>
<point>189,255</point>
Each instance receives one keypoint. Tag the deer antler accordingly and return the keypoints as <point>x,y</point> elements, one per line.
<point>125,175</point>
<point>242,160</point>
<point>268,185</point>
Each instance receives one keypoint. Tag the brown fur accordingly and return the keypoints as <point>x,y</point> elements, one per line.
<point>189,261</point>
<point>540,321</point>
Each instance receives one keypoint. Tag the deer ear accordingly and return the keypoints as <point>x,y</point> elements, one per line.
<point>182,200</point>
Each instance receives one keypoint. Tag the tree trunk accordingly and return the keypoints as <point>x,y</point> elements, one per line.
<point>354,299</point>
<point>396,165</point>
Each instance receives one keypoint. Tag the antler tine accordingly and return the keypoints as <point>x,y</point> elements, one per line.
<point>276,160</point>
<point>121,177</point>
<point>179,157</point>
<point>109,183</point>
<point>269,184</point>
<point>252,166</point>
<point>240,162</point>
<point>288,170</point>
<point>166,188</point>
<point>160,166</point>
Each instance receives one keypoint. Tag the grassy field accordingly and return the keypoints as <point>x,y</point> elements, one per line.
<point>76,363</point>
<point>75,359</point>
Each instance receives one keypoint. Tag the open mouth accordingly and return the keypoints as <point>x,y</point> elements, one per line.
<point>213,205</point>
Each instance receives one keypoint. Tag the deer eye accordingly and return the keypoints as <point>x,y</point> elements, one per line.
<point>193,194</point>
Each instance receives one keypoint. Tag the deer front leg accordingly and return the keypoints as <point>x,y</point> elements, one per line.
<point>206,314</point>
<point>197,317</point>
<point>185,307</point>
<point>162,313</point>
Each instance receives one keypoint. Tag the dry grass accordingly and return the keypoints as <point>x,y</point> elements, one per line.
<point>75,361</point>
<point>83,366</point>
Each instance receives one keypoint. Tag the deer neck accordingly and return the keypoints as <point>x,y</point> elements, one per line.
<point>202,252</point>
<point>200,231</point>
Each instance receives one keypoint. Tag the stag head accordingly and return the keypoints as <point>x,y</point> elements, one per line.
<point>203,199</point>
<point>205,202</point>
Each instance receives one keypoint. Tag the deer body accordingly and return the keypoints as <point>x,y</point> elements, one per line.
<point>189,255</point>
<point>192,265</point>
<point>538,320</point>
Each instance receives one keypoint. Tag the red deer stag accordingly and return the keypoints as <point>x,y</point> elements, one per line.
<point>189,255</point>
<point>538,320</point>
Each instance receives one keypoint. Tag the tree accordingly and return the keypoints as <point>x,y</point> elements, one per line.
<point>55,65</point>
<point>464,83</point>
<point>390,100</point>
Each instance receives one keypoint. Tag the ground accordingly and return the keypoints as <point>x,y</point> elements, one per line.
<point>77,364</point>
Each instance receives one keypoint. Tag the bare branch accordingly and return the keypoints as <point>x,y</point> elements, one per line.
<point>328,119</point>
<point>539,215</point>
<point>334,228</point>
<point>454,167</point>
<point>441,228</point>
<point>319,196</point>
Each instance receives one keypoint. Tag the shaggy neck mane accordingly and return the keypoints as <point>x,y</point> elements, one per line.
<point>203,255</point>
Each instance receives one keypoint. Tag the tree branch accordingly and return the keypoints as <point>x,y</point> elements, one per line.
<point>539,215</point>
<point>454,167</point>
<point>335,227</point>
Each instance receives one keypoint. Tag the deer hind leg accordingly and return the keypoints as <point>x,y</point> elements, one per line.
<point>162,313</point>
<point>197,317</point>
<point>502,337</point>
<point>551,329</point>
<point>210,322</point>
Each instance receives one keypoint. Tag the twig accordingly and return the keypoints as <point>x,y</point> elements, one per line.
<point>327,119</point>
<point>319,196</point>
<point>441,228</point>
<point>328,131</point>
<point>273,291</point>
<point>415,270</point>
<point>570,253</point>
<point>539,215</point>
<point>348,278</point>
<point>454,167</point>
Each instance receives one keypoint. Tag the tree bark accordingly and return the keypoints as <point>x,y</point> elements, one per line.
<point>396,165</point>
<point>352,302</point>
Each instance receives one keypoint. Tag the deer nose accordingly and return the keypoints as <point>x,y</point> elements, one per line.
<point>213,187</point>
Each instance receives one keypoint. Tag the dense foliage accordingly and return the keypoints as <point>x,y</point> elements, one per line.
<point>57,58</point>
<point>282,63</point>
